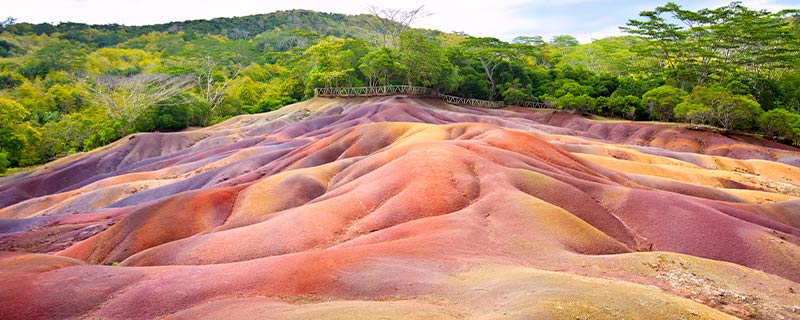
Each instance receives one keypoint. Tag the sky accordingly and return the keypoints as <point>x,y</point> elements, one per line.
<point>503,19</point>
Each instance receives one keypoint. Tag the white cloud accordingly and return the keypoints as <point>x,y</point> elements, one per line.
<point>587,37</point>
<point>768,5</point>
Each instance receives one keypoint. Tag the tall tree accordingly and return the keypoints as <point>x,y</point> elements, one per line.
<point>381,66</point>
<point>60,55</point>
<point>334,62</point>
<point>7,22</point>
<point>612,55</point>
<point>694,45</point>
<point>422,58</point>
<point>213,80</point>
<point>564,41</point>
<point>490,53</point>
<point>17,137</point>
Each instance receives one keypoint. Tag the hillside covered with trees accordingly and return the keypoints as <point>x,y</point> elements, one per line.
<point>73,87</point>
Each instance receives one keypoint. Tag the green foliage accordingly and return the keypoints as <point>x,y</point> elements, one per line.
<point>422,58</point>
<point>249,92</point>
<point>491,57</point>
<point>613,55</point>
<point>8,49</point>
<point>166,44</point>
<point>10,79</point>
<point>64,98</point>
<point>627,107</point>
<point>583,103</point>
<point>718,107</point>
<point>257,97</point>
<point>17,137</point>
<point>4,163</point>
<point>382,67</point>
<point>59,55</point>
<point>708,44</point>
<point>275,103</point>
<point>789,88</point>
<point>630,86</point>
<point>513,93</point>
<point>333,63</point>
<point>175,113</point>
<point>569,86</point>
<point>221,49</point>
<point>780,124</point>
<point>278,40</point>
<point>564,41</point>
<point>661,101</point>
<point>125,62</point>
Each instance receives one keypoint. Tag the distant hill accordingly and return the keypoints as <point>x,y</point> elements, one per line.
<point>236,28</point>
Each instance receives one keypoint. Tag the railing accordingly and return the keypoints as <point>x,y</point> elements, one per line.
<point>372,91</point>
<point>535,104</point>
<point>471,102</point>
<point>417,91</point>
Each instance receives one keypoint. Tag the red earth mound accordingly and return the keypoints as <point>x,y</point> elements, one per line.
<point>407,208</point>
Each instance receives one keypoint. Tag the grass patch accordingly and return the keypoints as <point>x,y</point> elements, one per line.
<point>13,171</point>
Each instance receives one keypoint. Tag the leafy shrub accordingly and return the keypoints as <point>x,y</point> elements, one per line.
<point>661,101</point>
<point>4,163</point>
<point>10,79</point>
<point>780,124</point>
<point>719,107</point>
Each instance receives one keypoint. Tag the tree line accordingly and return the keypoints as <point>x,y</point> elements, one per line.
<point>72,87</point>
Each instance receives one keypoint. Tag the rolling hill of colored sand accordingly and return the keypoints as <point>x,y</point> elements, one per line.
<point>407,208</point>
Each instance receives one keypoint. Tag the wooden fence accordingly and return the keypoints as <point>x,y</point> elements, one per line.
<point>535,104</point>
<point>372,91</point>
<point>471,102</point>
<point>349,92</point>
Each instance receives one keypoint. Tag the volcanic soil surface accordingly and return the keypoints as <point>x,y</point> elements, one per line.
<point>407,208</point>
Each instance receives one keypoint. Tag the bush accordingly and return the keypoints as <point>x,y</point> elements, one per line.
<point>719,107</point>
<point>177,113</point>
<point>10,79</point>
<point>275,103</point>
<point>661,102</point>
<point>80,131</point>
<point>4,163</point>
<point>625,107</point>
<point>18,139</point>
<point>780,124</point>
<point>583,103</point>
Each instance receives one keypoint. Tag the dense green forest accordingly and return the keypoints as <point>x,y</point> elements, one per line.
<point>73,87</point>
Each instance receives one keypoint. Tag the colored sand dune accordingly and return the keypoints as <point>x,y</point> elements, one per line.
<point>407,208</point>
